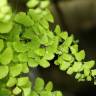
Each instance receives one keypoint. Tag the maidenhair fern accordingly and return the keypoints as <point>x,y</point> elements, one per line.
<point>26,41</point>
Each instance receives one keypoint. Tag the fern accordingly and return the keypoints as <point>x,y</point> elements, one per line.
<point>28,43</point>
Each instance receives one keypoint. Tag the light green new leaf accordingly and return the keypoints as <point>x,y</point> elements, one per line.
<point>80,55</point>
<point>39,84</point>
<point>1,44</point>
<point>7,56</point>
<point>3,71</point>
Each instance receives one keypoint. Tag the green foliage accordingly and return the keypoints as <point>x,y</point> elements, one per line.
<point>26,41</point>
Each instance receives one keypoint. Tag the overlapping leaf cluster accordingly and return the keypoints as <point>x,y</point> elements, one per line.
<point>30,43</point>
<point>23,86</point>
<point>71,60</point>
<point>39,5</point>
<point>27,42</point>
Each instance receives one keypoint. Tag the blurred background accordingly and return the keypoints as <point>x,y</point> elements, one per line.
<point>78,17</point>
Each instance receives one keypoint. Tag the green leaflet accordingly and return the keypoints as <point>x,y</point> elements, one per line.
<point>64,65</point>
<point>80,55</point>
<point>67,57</point>
<point>78,75</point>
<point>11,82</point>
<point>19,47</point>
<point>1,45</point>
<point>25,68</point>
<point>93,72</point>
<point>39,84</point>
<point>32,3</point>
<point>5,27</point>
<point>26,91</point>
<point>14,34</point>
<point>23,82</point>
<point>64,35</point>
<point>74,49</point>
<point>13,70</point>
<point>32,63</point>
<point>49,86</point>
<point>70,71</point>
<point>3,71</point>
<point>77,67</point>
<point>44,40</point>
<point>33,93</point>
<point>16,91</point>
<point>34,15</point>
<point>24,19</point>
<point>57,93</point>
<point>86,72</point>
<point>62,48</point>
<point>22,57</point>
<point>40,52</point>
<point>44,3</point>
<point>44,63</point>
<point>69,41</point>
<point>89,78</point>
<point>44,23</point>
<point>89,64</point>
<point>49,16</point>
<point>57,30</point>
<point>46,93</point>
<point>53,48</point>
<point>48,56</point>
<point>7,56</point>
